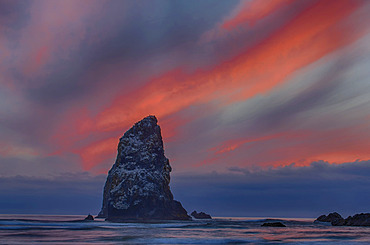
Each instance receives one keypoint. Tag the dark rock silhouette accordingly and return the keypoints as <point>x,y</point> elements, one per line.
<point>89,218</point>
<point>200,215</point>
<point>358,220</point>
<point>274,224</point>
<point>335,219</point>
<point>137,186</point>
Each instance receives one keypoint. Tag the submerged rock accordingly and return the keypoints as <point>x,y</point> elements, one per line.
<point>137,186</point>
<point>89,218</point>
<point>200,215</point>
<point>273,224</point>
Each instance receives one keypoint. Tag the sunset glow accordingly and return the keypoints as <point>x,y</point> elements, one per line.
<point>255,84</point>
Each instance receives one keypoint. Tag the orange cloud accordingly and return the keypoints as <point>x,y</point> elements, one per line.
<point>170,127</point>
<point>94,154</point>
<point>301,147</point>
<point>233,144</point>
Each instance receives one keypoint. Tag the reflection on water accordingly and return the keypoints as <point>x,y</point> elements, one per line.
<point>34,229</point>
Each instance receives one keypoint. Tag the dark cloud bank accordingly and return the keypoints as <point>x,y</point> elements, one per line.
<point>289,191</point>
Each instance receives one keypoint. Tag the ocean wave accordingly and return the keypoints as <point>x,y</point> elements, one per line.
<point>217,231</point>
<point>196,241</point>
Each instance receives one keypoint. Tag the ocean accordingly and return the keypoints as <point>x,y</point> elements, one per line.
<point>66,229</point>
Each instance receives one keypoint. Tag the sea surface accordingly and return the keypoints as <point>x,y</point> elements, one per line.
<point>67,229</point>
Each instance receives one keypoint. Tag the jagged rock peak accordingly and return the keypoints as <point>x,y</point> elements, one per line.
<point>137,186</point>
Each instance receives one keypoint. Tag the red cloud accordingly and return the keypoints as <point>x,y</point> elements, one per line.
<point>310,36</point>
<point>301,147</point>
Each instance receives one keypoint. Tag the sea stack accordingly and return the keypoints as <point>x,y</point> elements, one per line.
<point>137,186</point>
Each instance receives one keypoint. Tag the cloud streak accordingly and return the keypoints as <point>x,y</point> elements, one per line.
<point>232,83</point>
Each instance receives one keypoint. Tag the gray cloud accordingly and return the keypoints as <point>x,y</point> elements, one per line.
<point>286,191</point>
<point>78,193</point>
<point>13,14</point>
<point>130,34</point>
<point>28,162</point>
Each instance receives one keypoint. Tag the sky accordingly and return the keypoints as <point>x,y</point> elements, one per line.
<point>264,106</point>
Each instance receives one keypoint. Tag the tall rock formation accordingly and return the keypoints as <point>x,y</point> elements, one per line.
<point>137,186</point>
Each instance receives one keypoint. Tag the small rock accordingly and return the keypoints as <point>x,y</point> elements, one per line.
<point>200,215</point>
<point>89,218</point>
<point>334,218</point>
<point>274,224</point>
